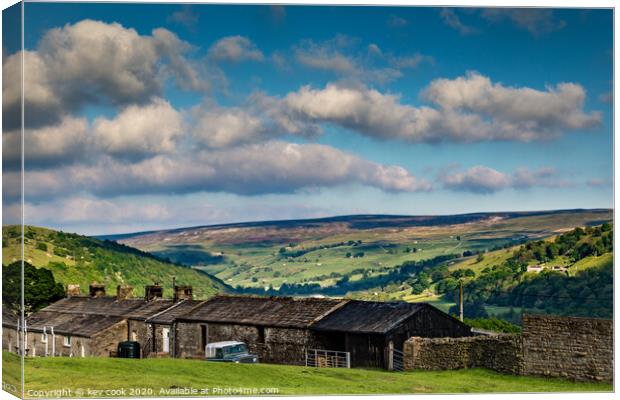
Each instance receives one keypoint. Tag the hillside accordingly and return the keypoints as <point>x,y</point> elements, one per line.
<point>320,253</point>
<point>79,259</point>
<point>576,276</point>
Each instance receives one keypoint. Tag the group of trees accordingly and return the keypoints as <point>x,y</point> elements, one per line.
<point>587,293</point>
<point>40,288</point>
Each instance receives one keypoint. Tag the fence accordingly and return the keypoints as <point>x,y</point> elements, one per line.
<point>328,358</point>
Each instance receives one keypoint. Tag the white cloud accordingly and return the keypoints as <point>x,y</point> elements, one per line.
<point>50,145</point>
<point>235,49</point>
<point>478,179</point>
<point>464,109</point>
<point>218,127</point>
<point>339,56</point>
<point>270,167</point>
<point>139,130</point>
<point>485,180</point>
<point>537,21</point>
<point>92,62</point>
<point>450,18</point>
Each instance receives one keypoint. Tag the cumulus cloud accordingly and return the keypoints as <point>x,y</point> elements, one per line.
<point>218,127</point>
<point>64,142</point>
<point>270,167</point>
<point>235,49</point>
<point>451,19</point>
<point>464,109</point>
<point>139,131</point>
<point>92,62</point>
<point>537,21</point>
<point>478,179</point>
<point>515,113</point>
<point>395,21</point>
<point>484,180</point>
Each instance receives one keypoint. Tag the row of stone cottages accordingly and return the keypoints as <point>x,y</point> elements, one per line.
<point>277,329</point>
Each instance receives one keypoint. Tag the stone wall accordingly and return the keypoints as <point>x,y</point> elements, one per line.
<point>577,348</point>
<point>574,348</point>
<point>501,353</point>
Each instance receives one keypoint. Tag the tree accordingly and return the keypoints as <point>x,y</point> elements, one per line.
<point>40,288</point>
<point>480,257</point>
<point>42,246</point>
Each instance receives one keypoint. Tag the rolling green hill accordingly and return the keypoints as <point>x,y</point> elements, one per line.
<point>79,259</point>
<point>323,252</point>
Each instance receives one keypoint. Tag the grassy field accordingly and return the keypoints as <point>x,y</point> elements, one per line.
<point>162,377</point>
<point>250,255</point>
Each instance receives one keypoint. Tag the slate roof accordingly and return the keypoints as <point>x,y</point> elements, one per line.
<point>173,312</point>
<point>266,311</point>
<point>9,317</point>
<point>368,316</point>
<point>85,325</point>
<point>137,308</point>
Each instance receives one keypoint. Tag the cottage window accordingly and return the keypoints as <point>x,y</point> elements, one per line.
<point>44,337</point>
<point>203,336</point>
<point>67,341</point>
<point>261,334</point>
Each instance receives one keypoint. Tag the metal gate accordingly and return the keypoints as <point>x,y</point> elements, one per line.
<point>398,360</point>
<point>328,358</point>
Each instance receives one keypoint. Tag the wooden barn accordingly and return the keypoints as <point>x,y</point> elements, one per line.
<point>367,330</point>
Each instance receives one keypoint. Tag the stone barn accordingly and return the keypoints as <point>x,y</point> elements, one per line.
<point>366,329</point>
<point>277,329</point>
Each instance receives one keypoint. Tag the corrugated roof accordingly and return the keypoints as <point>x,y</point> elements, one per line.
<point>368,316</point>
<point>85,325</point>
<point>267,311</point>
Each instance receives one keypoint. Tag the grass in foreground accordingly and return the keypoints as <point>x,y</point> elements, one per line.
<point>160,375</point>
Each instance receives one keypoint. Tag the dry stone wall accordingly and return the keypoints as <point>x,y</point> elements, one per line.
<point>500,353</point>
<point>577,348</point>
<point>574,348</point>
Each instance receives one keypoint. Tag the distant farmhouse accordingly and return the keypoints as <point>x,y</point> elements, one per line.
<point>278,329</point>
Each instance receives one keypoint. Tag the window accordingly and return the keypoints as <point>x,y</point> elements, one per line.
<point>203,336</point>
<point>261,334</point>
<point>44,337</point>
<point>67,341</point>
<point>134,336</point>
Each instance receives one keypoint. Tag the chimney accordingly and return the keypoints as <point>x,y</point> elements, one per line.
<point>96,290</point>
<point>124,292</point>
<point>152,292</point>
<point>182,293</point>
<point>73,290</point>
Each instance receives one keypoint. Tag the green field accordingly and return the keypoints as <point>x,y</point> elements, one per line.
<point>166,377</point>
<point>263,254</point>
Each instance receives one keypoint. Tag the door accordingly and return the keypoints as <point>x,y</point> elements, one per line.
<point>165,333</point>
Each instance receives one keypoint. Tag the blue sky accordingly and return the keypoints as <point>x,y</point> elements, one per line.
<point>156,116</point>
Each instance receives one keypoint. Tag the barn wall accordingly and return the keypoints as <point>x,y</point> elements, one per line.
<point>366,350</point>
<point>280,345</point>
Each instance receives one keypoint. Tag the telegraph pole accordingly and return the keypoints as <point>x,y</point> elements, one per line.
<point>461,300</point>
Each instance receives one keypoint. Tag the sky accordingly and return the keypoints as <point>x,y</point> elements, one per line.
<point>141,117</point>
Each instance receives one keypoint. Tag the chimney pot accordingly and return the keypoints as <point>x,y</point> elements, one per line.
<point>73,290</point>
<point>182,293</point>
<point>124,292</point>
<point>152,292</point>
<point>96,290</point>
